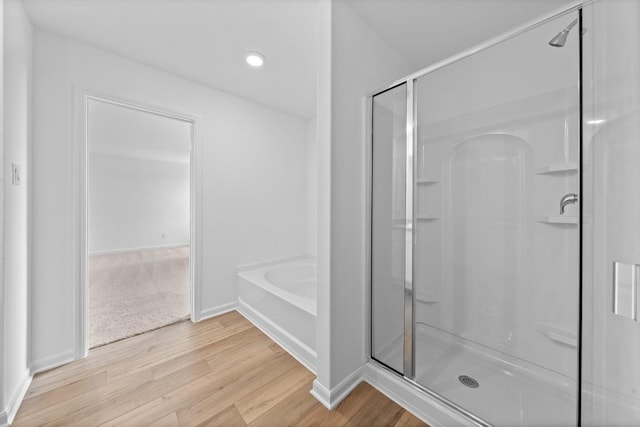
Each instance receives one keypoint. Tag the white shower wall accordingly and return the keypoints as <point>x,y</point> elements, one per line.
<point>492,265</point>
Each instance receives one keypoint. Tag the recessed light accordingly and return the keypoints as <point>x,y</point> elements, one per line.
<point>255,59</point>
<point>595,121</point>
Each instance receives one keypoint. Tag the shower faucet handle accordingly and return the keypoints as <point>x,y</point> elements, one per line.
<point>570,198</point>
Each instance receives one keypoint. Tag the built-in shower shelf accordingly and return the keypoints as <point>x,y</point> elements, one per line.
<point>558,335</point>
<point>426,181</point>
<point>424,218</point>
<point>557,168</point>
<point>426,298</point>
<point>557,219</point>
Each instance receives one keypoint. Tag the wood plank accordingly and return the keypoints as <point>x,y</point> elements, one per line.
<point>261,399</point>
<point>103,411</point>
<point>409,420</point>
<point>170,420</point>
<point>64,393</point>
<point>69,408</point>
<point>221,371</point>
<point>291,410</point>
<point>230,417</point>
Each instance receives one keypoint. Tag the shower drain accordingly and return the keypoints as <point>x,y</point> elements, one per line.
<point>468,381</point>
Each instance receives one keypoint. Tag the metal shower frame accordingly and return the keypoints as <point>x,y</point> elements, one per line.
<point>408,374</point>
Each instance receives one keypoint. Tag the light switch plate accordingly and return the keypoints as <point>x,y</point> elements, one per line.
<point>15,174</point>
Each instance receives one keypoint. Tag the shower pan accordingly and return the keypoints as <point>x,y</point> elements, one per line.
<point>476,228</point>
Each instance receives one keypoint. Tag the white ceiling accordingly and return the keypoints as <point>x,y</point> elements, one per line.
<point>204,41</point>
<point>427,31</point>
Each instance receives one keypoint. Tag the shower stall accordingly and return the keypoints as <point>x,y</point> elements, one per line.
<point>486,287</point>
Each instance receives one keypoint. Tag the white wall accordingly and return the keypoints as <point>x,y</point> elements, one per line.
<point>361,62</point>
<point>3,414</point>
<point>18,39</point>
<point>312,188</point>
<point>138,179</point>
<point>134,202</point>
<point>611,206</point>
<point>253,179</point>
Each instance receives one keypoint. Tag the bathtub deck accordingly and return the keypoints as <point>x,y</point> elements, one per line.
<point>222,371</point>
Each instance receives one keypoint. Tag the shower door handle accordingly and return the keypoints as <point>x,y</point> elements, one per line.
<point>570,198</point>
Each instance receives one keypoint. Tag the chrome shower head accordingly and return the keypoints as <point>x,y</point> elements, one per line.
<point>560,39</point>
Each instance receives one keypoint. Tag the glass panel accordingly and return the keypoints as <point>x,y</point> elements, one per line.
<point>496,265</point>
<point>388,226</point>
<point>611,243</point>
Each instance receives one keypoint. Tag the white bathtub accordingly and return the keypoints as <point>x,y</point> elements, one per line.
<point>280,299</point>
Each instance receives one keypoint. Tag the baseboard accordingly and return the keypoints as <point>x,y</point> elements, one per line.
<point>332,398</point>
<point>51,362</point>
<point>420,404</point>
<point>143,248</point>
<point>299,350</point>
<point>216,311</point>
<point>16,399</point>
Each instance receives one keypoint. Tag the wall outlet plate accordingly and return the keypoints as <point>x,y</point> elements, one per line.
<point>16,178</point>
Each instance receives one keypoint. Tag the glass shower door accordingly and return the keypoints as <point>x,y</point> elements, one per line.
<point>495,261</point>
<point>389,225</point>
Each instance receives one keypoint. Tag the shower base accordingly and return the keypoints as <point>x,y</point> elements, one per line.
<point>508,393</point>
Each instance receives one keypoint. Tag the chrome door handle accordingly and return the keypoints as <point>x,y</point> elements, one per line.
<point>568,199</point>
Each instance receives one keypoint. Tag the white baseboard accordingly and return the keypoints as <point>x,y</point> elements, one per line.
<point>143,248</point>
<point>420,404</point>
<point>16,399</point>
<point>299,350</point>
<point>332,398</point>
<point>54,361</point>
<point>216,311</point>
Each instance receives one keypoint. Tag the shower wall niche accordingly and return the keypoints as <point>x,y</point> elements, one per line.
<point>475,272</point>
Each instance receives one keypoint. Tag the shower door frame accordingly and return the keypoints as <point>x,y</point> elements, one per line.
<point>408,374</point>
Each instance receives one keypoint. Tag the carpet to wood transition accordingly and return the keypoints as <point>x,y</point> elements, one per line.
<point>135,292</point>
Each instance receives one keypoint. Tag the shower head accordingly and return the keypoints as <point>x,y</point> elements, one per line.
<point>560,39</point>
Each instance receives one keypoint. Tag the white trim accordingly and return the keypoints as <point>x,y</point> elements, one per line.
<point>216,311</point>
<point>16,399</point>
<point>332,398</point>
<point>428,409</point>
<point>3,419</point>
<point>245,267</point>
<point>51,362</point>
<point>80,201</point>
<point>296,348</point>
<point>143,248</point>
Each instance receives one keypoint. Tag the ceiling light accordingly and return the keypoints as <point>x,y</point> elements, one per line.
<point>595,121</point>
<point>255,59</point>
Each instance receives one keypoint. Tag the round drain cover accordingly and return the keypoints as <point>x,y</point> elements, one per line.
<point>468,381</point>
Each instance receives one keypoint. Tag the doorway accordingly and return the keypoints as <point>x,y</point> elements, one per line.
<point>138,257</point>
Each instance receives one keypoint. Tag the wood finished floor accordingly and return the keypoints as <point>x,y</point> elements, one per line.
<point>222,371</point>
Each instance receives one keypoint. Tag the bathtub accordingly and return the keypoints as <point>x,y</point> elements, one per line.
<point>280,299</point>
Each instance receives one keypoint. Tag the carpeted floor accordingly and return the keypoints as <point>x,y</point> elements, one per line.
<point>135,292</point>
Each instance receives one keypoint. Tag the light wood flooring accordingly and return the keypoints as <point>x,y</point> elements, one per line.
<point>222,371</point>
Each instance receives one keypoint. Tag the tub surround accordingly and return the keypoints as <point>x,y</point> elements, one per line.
<point>279,297</point>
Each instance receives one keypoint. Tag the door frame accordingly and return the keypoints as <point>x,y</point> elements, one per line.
<point>81,200</point>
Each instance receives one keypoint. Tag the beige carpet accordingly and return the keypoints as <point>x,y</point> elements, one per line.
<point>135,292</point>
